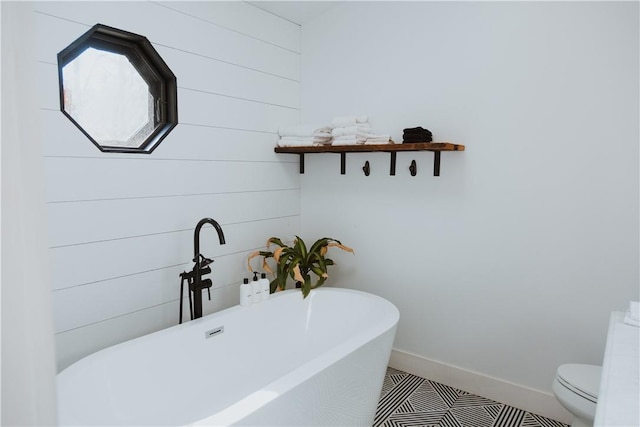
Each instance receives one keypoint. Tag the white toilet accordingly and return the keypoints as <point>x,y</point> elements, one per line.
<point>576,388</point>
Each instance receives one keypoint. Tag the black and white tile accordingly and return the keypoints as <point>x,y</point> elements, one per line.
<point>408,400</point>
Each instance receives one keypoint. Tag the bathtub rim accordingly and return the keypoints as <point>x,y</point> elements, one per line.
<point>204,319</point>
<point>376,327</point>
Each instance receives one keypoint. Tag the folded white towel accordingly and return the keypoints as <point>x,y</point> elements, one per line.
<point>301,144</point>
<point>344,121</point>
<point>297,142</point>
<point>632,316</point>
<point>359,135</point>
<point>364,134</point>
<point>292,141</point>
<point>348,137</point>
<point>346,141</point>
<point>379,136</point>
<point>378,139</point>
<point>351,130</point>
<point>302,130</point>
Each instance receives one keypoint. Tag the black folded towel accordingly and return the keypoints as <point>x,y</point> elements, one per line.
<point>413,134</point>
<point>417,138</point>
<point>415,130</point>
<point>417,134</point>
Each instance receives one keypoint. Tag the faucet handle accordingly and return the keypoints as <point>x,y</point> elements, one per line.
<point>203,260</point>
<point>186,275</point>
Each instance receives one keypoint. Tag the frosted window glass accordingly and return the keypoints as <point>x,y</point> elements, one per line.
<point>106,95</point>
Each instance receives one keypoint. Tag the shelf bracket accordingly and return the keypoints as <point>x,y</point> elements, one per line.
<point>413,168</point>
<point>301,162</point>
<point>392,166</point>
<point>343,163</point>
<point>436,163</point>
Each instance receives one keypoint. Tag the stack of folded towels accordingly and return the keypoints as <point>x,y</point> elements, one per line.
<point>355,130</point>
<point>418,134</point>
<point>632,316</point>
<point>304,136</point>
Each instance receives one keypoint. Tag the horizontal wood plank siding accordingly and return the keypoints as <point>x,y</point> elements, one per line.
<point>121,226</point>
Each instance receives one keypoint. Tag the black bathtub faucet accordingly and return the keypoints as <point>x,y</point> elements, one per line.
<point>200,268</point>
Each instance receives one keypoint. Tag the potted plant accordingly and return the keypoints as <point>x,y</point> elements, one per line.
<point>298,262</point>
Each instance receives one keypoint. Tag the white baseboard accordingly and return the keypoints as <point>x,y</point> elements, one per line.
<point>528,399</point>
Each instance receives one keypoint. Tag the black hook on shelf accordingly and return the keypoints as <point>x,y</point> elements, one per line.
<point>413,168</point>
<point>366,169</point>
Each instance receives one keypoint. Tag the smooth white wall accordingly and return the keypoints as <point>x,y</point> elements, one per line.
<point>510,262</point>
<point>28,359</point>
<point>122,225</point>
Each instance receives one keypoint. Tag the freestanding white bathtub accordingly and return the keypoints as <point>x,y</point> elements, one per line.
<point>285,361</point>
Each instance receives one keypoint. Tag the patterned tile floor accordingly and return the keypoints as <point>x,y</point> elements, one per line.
<point>408,400</point>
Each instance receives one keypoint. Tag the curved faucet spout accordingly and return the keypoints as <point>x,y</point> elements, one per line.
<point>201,267</point>
<point>196,235</point>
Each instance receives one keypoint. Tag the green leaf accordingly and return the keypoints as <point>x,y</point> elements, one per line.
<point>281,276</point>
<point>300,248</point>
<point>320,243</point>
<point>320,282</point>
<point>286,256</point>
<point>306,288</point>
<point>273,285</point>
<point>322,263</point>
<point>317,270</point>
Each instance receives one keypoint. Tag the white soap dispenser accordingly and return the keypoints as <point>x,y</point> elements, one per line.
<point>256,289</point>
<point>265,287</point>
<point>245,293</point>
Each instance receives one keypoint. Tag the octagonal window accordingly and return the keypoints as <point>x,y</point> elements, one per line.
<point>117,90</point>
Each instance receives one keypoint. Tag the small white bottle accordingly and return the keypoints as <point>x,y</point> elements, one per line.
<point>264,286</point>
<point>256,289</point>
<point>245,293</point>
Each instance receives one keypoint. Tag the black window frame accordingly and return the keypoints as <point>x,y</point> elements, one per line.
<point>151,67</point>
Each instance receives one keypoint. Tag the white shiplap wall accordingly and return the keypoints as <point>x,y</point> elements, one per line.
<point>121,226</point>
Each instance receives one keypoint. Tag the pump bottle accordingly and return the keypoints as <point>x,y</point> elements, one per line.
<point>256,289</point>
<point>245,293</point>
<point>264,287</point>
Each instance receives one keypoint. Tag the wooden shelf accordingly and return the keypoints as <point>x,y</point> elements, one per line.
<point>421,146</point>
<point>436,147</point>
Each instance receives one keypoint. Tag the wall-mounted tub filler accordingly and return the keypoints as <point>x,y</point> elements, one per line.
<point>201,267</point>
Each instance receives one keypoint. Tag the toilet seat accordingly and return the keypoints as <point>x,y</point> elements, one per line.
<point>583,380</point>
<point>576,387</point>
